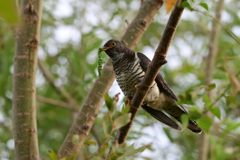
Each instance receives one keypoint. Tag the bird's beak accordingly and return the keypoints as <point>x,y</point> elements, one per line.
<point>106,48</point>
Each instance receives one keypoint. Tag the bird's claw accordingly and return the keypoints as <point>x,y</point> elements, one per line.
<point>136,86</point>
<point>127,102</point>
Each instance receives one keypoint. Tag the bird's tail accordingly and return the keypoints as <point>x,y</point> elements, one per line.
<point>161,117</point>
<point>177,111</point>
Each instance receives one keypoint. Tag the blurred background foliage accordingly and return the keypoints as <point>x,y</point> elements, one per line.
<point>71,33</point>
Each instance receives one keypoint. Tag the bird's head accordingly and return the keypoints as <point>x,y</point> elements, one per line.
<point>115,49</point>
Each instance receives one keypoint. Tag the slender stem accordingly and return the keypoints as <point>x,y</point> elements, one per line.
<point>50,78</point>
<point>24,87</point>
<point>55,103</point>
<point>103,144</point>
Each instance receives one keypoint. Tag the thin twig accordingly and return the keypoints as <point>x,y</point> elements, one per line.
<point>50,78</point>
<point>55,103</point>
<point>103,144</point>
<point>72,104</point>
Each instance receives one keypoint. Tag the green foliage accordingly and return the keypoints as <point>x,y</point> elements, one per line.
<point>100,61</point>
<point>187,5</point>
<point>184,120</point>
<point>110,103</point>
<point>75,138</point>
<point>8,11</point>
<point>205,123</point>
<point>122,120</point>
<point>125,151</point>
<point>74,62</point>
<point>216,112</point>
<point>53,155</point>
<point>204,5</point>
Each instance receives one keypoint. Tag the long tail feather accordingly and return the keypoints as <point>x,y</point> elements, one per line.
<point>176,112</point>
<point>161,117</point>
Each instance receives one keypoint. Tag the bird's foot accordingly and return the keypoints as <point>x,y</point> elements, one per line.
<point>127,101</point>
<point>136,86</point>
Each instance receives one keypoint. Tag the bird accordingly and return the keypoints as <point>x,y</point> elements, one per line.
<point>129,68</point>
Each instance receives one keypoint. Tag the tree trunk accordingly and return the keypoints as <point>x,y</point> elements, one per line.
<point>24,89</point>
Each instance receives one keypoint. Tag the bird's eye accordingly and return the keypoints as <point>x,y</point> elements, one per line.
<point>113,44</point>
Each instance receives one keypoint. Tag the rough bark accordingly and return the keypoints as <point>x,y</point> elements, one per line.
<point>153,68</point>
<point>89,110</point>
<point>210,61</point>
<point>24,90</point>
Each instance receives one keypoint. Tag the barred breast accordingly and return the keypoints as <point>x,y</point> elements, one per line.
<point>128,74</point>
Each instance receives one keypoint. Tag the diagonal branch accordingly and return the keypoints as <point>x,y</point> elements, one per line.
<point>55,103</point>
<point>72,104</point>
<point>153,68</point>
<point>48,75</point>
<point>89,110</point>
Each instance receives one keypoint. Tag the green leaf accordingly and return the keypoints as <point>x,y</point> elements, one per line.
<point>207,101</point>
<point>8,11</point>
<point>216,111</point>
<point>187,5</point>
<point>96,158</point>
<point>184,120</point>
<point>205,123</point>
<point>110,103</point>
<point>64,158</point>
<point>232,126</point>
<point>210,86</point>
<point>106,124</point>
<point>122,120</point>
<point>52,155</point>
<point>125,109</point>
<point>204,5</point>
<point>138,150</point>
<point>73,156</point>
<point>194,113</point>
<point>1,153</point>
<point>130,150</point>
<point>231,99</point>
<point>75,138</point>
<point>89,143</point>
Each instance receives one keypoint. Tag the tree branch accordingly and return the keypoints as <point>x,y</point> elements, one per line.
<point>69,107</point>
<point>153,68</point>
<point>210,61</point>
<point>24,87</point>
<point>89,110</point>
<point>48,75</point>
<point>55,103</point>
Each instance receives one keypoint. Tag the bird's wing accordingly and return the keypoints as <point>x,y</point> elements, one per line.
<point>174,110</point>
<point>161,117</point>
<point>162,84</point>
